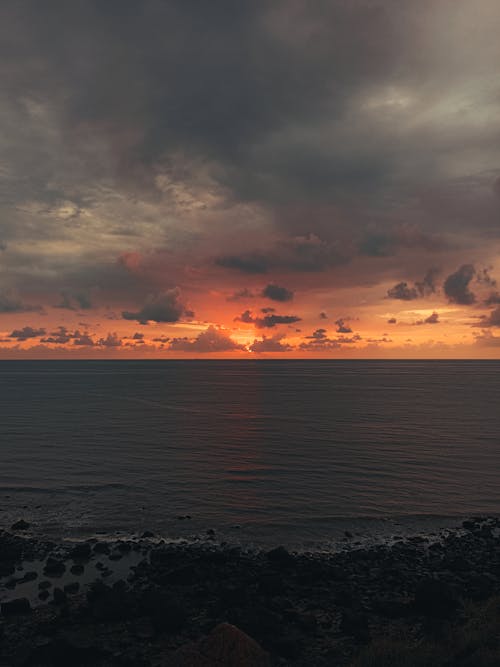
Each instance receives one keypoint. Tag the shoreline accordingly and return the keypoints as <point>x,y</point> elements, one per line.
<point>140,601</point>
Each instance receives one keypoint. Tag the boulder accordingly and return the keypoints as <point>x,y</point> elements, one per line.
<point>14,607</point>
<point>225,646</point>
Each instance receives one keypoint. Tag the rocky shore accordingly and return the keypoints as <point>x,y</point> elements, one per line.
<point>144,602</point>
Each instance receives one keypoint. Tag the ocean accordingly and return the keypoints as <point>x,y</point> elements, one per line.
<point>259,452</point>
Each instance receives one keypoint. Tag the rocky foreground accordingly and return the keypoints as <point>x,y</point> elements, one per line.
<point>145,603</point>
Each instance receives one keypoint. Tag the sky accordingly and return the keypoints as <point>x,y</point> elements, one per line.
<point>192,179</point>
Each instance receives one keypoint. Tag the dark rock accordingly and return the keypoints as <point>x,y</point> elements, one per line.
<point>43,585</point>
<point>115,555</point>
<point>17,606</point>
<point>355,624</point>
<point>101,548</point>
<point>225,646</point>
<point>43,595</point>
<point>54,567</point>
<point>29,576</point>
<point>435,598</point>
<point>77,569</point>
<point>167,614</point>
<point>81,551</point>
<point>20,525</point>
<point>72,587</point>
<point>60,596</point>
<point>147,534</point>
<point>60,652</point>
<point>280,555</point>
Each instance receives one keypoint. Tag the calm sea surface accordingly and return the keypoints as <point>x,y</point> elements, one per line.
<point>261,451</point>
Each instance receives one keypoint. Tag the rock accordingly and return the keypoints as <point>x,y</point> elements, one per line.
<point>14,607</point>
<point>77,569</point>
<point>166,613</point>
<point>101,548</point>
<point>20,525</point>
<point>60,652</point>
<point>115,555</point>
<point>435,598</point>
<point>28,576</point>
<point>72,587</point>
<point>54,567</point>
<point>60,596</point>
<point>43,595</point>
<point>280,555</point>
<point>81,551</point>
<point>225,646</point>
<point>355,624</point>
<point>147,534</point>
<point>43,585</point>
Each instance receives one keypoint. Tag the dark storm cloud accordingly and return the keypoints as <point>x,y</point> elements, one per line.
<point>27,332</point>
<point>306,254</point>
<point>456,285</point>
<point>11,303</point>
<point>347,105</point>
<point>74,301</point>
<point>164,307</point>
<point>320,341</point>
<point>277,293</point>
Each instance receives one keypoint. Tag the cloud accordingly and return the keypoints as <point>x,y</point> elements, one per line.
<point>320,341</point>
<point>492,320</point>
<point>111,340</point>
<point>342,327</point>
<point>492,299</point>
<point>405,292</point>
<point>74,301</point>
<point>323,316</point>
<point>11,303</point>
<point>271,344</point>
<point>302,254</point>
<point>392,320</point>
<point>164,307</point>
<point>27,332</point>
<point>456,285</point>
<point>241,295</point>
<point>210,340</point>
<point>268,321</point>
<point>276,293</point>
<point>431,319</point>
<point>82,339</point>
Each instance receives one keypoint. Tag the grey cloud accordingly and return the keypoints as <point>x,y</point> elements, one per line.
<point>392,320</point>
<point>164,307</point>
<point>405,292</point>
<point>492,320</point>
<point>272,344</point>
<point>342,327</point>
<point>11,303</point>
<point>268,321</point>
<point>456,285</point>
<point>241,295</point>
<point>210,340</point>
<point>111,340</point>
<point>74,301</point>
<point>306,254</point>
<point>492,299</point>
<point>27,332</point>
<point>277,293</point>
<point>431,319</point>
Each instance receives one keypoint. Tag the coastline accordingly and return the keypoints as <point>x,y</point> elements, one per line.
<point>141,601</point>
